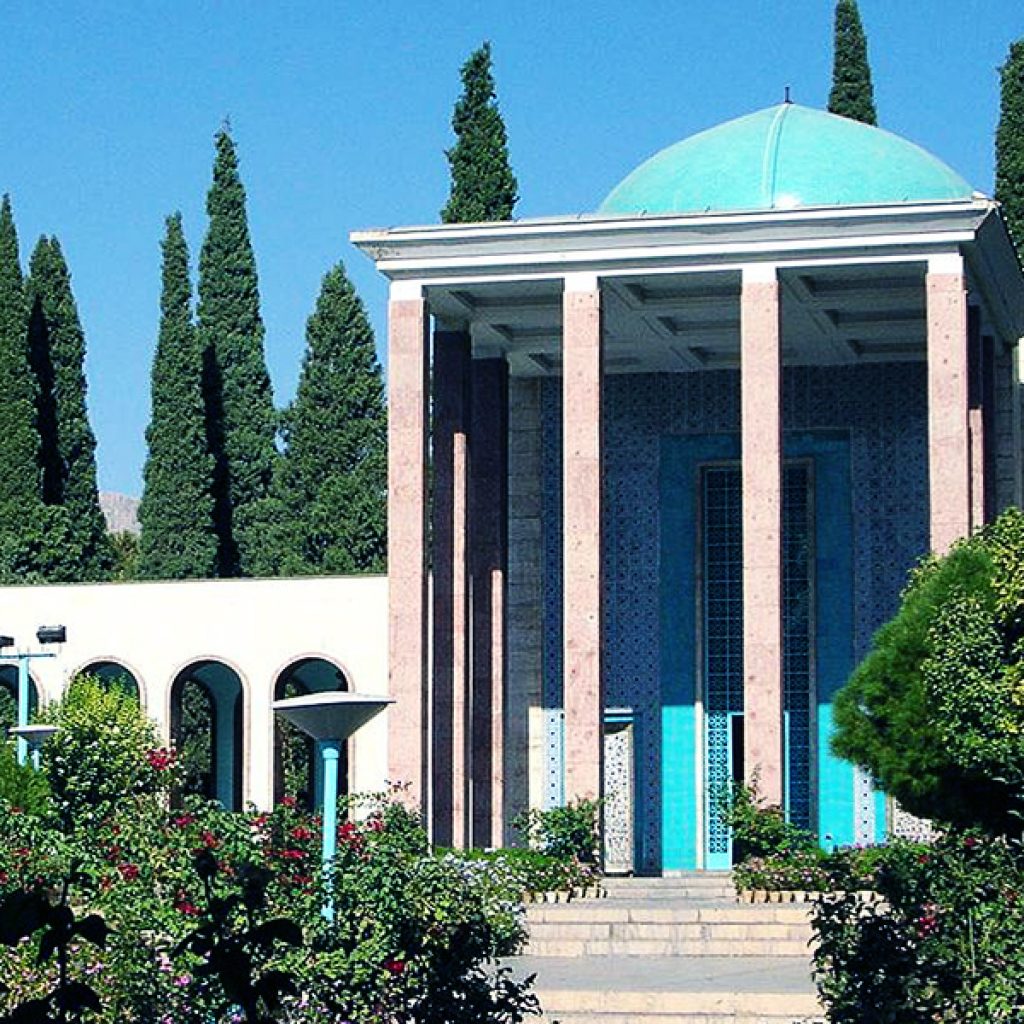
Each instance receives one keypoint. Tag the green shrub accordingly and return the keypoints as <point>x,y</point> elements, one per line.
<point>943,944</point>
<point>935,712</point>
<point>105,752</point>
<point>566,833</point>
<point>21,786</point>
<point>413,938</point>
<point>760,829</point>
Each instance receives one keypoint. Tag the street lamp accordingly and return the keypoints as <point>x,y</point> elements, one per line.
<point>45,635</point>
<point>35,736</point>
<point>330,719</point>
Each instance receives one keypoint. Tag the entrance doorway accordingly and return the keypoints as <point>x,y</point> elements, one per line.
<point>721,645</point>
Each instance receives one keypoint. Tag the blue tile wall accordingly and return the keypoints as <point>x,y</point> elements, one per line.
<point>881,408</point>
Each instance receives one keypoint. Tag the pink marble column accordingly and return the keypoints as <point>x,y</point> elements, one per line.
<point>581,528</point>
<point>488,540</point>
<point>450,620</point>
<point>979,378</point>
<point>948,439</point>
<point>407,512</point>
<point>761,424</point>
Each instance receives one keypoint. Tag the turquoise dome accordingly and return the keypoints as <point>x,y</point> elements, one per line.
<point>781,158</point>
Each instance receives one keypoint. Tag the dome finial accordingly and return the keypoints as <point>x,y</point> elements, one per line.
<point>786,99</point>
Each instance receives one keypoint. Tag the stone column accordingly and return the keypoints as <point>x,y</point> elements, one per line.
<point>761,425</point>
<point>581,527</point>
<point>407,511</point>
<point>488,538</point>
<point>977,412</point>
<point>450,587</point>
<point>948,441</point>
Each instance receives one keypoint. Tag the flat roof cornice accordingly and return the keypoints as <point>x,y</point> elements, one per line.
<point>557,245</point>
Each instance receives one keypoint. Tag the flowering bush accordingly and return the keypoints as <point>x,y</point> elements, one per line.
<point>945,942</point>
<point>413,936</point>
<point>104,751</point>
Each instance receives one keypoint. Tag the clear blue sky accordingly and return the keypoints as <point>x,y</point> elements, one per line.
<point>341,114</point>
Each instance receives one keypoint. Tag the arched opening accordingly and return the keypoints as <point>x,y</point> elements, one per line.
<point>207,712</point>
<point>111,673</point>
<point>297,770</point>
<point>9,697</point>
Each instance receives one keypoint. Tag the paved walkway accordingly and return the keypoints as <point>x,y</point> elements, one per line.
<point>667,973</point>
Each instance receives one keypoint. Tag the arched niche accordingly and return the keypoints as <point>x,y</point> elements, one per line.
<point>114,674</point>
<point>9,697</point>
<point>207,727</point>
<point>297,769</point>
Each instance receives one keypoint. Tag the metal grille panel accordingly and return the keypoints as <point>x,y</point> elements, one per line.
<point>722,648</point>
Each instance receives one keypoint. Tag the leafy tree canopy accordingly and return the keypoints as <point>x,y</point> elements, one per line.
<point>241,422</point>
<point>483,186</point>
<point>176,514</point>
<point>1010,143</point>
<point>19,442</point>
<point>67,443</point>
<point>852,94</point>
<point>935,712</point>
<point>328,509</point>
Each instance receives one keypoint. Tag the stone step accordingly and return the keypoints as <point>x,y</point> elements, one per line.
<point>691,886</point>
<point>658,912</point>
<point>575,1007</point>
<point>673,990</point>
<point>668,881</point>
<point>676,893</point>
<point>698,946</point>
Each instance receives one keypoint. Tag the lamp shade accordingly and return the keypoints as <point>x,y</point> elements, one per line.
<point>33,733</point>
<point>335,715</point>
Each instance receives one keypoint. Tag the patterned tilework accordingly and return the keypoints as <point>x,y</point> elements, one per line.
<point>1002,422</point>
<point>883,409</point>
<point>618,807</point>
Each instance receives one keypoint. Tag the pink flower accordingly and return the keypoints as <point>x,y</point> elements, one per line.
<point>394,966</point>
<point>160,759</point>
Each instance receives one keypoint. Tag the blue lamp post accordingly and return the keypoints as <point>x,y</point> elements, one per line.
<point>330,719</point>
<point>35,736</point>
<point>45,635</point>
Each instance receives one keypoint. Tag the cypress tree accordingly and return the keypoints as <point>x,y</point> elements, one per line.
<point>176,514</point>
<point>240,415</point>
<point>483,186</point>
<point>328,511</point>
<point>67,443</point>
<point>852,94</point>
<point>1010,143</point>
<point>19,443</point>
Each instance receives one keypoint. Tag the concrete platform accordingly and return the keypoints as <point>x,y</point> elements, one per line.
<point>672,990</point>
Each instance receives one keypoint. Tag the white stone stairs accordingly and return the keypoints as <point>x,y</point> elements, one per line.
<point>677,950</point>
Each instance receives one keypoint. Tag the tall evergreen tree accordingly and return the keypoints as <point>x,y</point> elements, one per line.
<point>1010,143</point>
<point>19,443</point>
<point>240,415</point>
<point>67,443</point>
<point>852,94</point>
<point>328,511</point>
<point>483,186</point>
<point>176,513</point>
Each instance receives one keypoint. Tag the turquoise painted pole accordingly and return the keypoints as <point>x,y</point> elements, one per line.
<point>23,684</point>
<point>330,752</point>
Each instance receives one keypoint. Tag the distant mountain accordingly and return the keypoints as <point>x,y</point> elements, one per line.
<point>121,512</point>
